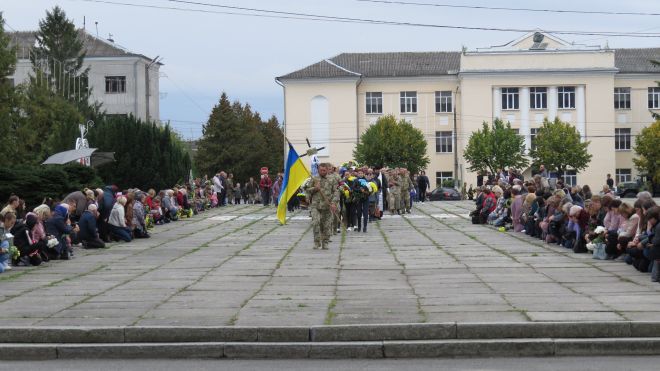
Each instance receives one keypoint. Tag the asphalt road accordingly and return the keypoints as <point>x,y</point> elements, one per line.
<point>482,364</point>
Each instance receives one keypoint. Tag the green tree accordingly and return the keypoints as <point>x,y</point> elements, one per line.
<point>8,113</point>
<point>393,144</point>
<point>57,58</point>
<point>146,155</point>
<point>235,139</point>
<point>494,147</point>
<point>647,147</point>
<point>558,147</point>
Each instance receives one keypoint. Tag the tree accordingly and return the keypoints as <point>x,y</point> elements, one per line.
<point>494,147</point>
<point>647,147</point>
<point>57,58</point>
<point>235,139</point>
<point>558,146</point>
<point>393,144</point>
<point>146,155</point>
<point>8,113</point>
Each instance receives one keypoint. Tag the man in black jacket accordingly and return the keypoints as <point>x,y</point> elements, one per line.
<point>87,225</point>
<point>423,184</point>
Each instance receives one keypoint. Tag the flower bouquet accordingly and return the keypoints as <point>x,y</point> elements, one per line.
<point>14,253</point>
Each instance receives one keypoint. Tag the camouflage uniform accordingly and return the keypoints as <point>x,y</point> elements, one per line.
<point>406,186</point>
<point>394,193</point>
<point>322,217</point>
<point>336,220</point>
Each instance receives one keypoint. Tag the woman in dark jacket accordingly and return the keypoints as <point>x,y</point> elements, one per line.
<point>57,226</point>
<point>30,249</point>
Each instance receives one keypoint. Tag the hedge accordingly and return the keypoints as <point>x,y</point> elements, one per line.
<point>33,183</point>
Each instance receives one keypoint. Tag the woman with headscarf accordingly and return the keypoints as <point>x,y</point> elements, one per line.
<point>59,225</point>
<point>29,247</point>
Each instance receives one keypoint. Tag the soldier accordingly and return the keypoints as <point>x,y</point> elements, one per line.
<point>324,197</point>
<point>336,220</point>
<point>394,194</point>
<point>406,186</point>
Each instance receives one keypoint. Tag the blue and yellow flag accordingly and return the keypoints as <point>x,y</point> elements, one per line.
<point>295,175</point>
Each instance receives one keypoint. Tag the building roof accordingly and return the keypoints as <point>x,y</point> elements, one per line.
<point>399,64</point>
<point>410,64</point>
<point>94,46</point>
<point>637,60</point>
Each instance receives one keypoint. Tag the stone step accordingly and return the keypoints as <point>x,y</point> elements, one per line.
<point>541,347</point>
<point>338,333</point>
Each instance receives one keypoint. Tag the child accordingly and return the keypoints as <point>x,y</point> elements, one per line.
<point>6,240</point>
<point>237,194</point>
<point>157,211</point>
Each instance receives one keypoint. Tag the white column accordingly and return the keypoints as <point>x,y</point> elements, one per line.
<point>552,102</point>
<point>581,112</point>
<point>524,117</point>
<point>497,102</point>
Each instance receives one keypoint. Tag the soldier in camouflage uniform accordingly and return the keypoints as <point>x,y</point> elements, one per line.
<point>406,186</point>
<point>394,192</point>
<point>336,220</point>
<point>324,197</point>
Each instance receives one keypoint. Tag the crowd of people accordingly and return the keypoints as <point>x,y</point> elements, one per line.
<point>574,217</point>
<point>91,218</point>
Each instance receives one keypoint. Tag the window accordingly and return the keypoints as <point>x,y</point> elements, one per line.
<point>117,116</point>
<point>538,98</point>
<point>443,141</point>
<point>374,102</point>
<point>622,139</point>
<point>570,177</point>
<point>510,98</point>
<point>532,136</point>
<point>621,98</point>
<point>623,175</point>
<point>115,84</point>
<point>443,101</point>
<point>654,98</point>
<point>566,97</point>
<point>408,102</point>
<point>441,176</point>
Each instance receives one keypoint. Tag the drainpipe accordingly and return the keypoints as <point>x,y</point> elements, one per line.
<point>456,180</point>
<point>357,112</point>
<point>135,79</point>
<point>286,148</point>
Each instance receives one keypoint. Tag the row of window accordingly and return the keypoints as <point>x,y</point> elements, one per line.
<point>538,99</point>
<point>570,176</point>
<point>444,140</point>
<point>408,102</point>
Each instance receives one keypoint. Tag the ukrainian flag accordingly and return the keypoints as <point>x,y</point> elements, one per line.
<point>295,175</point>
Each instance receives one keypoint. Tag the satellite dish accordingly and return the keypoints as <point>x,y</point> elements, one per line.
<point>538,37</point>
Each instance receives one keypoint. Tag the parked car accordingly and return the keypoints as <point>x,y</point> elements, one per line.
<point>630,190</point>
<point>444,194</point>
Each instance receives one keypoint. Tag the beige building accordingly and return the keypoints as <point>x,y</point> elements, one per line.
<point>606,93</point>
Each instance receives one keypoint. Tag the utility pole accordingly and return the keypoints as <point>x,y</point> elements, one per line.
<point>147,93</point>
<point>456,179</point>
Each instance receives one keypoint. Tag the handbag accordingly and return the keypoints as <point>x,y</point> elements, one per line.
<point>599,251</point>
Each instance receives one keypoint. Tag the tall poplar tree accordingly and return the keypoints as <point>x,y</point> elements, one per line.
<point>8,113</point>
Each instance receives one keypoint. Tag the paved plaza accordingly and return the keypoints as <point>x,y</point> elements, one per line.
<point>237,266</point>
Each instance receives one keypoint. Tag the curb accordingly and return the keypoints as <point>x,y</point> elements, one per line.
<point>541,347</point>
<point>337,333</point>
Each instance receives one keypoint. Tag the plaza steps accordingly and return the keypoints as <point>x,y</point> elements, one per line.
<point>529,339</point>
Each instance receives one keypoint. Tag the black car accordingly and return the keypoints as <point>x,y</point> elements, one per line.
<point>444,194</point>
<point>630,190</point>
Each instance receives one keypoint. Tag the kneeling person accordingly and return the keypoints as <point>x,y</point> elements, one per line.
<point>88,234</point>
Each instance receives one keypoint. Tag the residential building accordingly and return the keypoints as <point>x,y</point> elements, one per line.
<point>125,83</point>
<point>606,93</point>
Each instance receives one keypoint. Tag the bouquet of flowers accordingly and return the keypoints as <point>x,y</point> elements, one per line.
<point>14,253</point>
<point>149,221</point>
<point>600,232</point>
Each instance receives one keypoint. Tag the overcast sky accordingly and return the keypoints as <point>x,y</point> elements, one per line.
<point>207,53</point>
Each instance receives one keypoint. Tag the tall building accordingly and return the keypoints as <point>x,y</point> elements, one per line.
<point>125,83</point>
<point>606,93</point>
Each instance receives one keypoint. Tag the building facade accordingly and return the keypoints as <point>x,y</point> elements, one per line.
<point>607,94</point>
<point>124,83</point>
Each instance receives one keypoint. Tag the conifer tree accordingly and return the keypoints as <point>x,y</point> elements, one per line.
<point>8,113</point>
